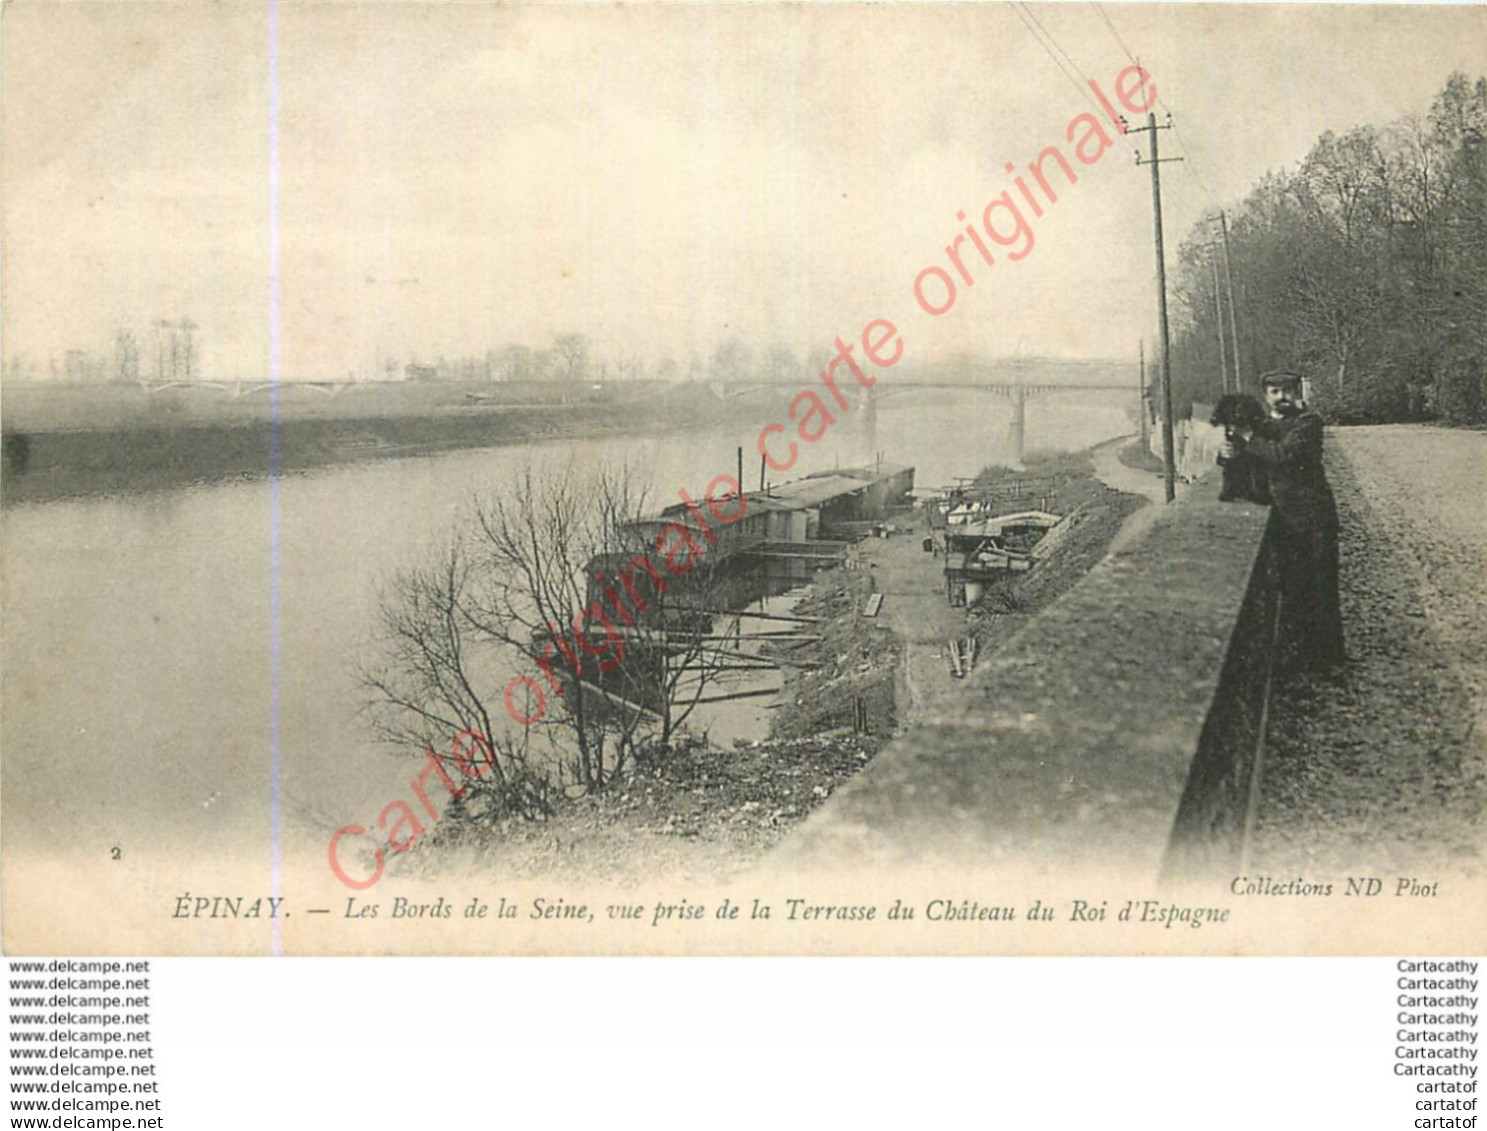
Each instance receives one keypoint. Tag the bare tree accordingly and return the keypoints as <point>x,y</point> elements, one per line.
<point>126,356</point>
<point>572,351</point>
<point>427,687</point>
<point>675,651</point>
<point>609,631</point>
<point>188,330</point>
<point>606,607</point>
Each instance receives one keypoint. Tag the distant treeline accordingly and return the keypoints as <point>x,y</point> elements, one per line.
<point>62,442</point>
<point>1365,269</point>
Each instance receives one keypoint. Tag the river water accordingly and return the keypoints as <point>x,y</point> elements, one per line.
<point>139,685</point>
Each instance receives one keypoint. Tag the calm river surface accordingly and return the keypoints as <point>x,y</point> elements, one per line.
<point>138,684</point>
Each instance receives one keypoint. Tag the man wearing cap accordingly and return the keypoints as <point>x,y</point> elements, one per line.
<point>1288,449</point>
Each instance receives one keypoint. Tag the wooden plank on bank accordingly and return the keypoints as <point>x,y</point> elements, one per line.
<point>662,637</point>
<point>794,619</point>
<point>611,697</point>
<point>740,695</point>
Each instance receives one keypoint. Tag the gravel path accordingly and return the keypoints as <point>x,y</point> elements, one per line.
<point>1387,772</point>
<point>1149,485</point>
<point>1111,472</point>
<point>914,607</point>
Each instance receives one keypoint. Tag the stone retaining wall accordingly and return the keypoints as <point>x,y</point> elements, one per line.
<point>1118,729</point>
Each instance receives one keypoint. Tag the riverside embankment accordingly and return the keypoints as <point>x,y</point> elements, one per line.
<point>1138,729</point>
<point>709,811</point>
<point>141,634</point>
<point>63,442</point>
<point>1126,708</point>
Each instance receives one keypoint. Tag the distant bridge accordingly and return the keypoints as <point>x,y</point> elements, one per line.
<point>248,388</point>
<point>727,390</point>
<point>1006,388</point>
<point>1018,392</point>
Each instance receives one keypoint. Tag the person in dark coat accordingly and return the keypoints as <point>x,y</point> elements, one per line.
<point>1239,414</point>
<point>1287,447</point>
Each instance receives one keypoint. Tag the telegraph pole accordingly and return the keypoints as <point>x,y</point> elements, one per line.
<point>1229,285</point>
<point>1218,314</point>
<point>1155,161</point>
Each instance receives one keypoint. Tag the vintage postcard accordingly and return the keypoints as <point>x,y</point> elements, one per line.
<point>743,479</point>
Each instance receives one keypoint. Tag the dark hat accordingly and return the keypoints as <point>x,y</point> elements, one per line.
<point>1280,377</point>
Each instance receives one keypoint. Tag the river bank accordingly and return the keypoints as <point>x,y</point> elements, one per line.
<point>146,622</point>
<point>704,811</point>
<point>913,585</point>
<point>73,442</point>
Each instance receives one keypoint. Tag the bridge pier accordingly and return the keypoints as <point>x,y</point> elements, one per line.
<point>1018,427</point>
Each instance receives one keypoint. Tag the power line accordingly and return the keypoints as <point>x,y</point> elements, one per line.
<point>1050,44</point>
<point>1046,50</point>
<point>1100,8</point>
<point>1057,45</point>
<point>1038,32</point>
<point>1176,131</point>
<point>1156,161</point>
<point>1070,69</point>
<point>1180,190</point>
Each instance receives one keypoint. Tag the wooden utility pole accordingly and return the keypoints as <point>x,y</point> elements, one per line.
<point>1168,459</point>
<point>1218,313</point>
<point>1229,285</point>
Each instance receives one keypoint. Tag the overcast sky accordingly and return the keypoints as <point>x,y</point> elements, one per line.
<point>455,178</point>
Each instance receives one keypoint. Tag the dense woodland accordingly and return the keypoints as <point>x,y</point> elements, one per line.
<point>1364,268</point>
